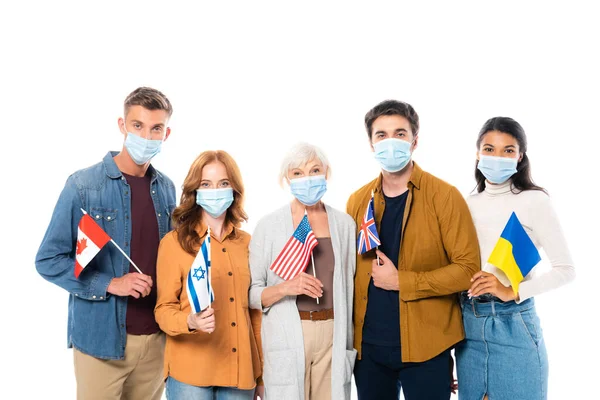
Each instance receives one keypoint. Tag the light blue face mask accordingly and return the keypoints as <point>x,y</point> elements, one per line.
<point>141,150</point>
<point>309,190</point>
<point>392,154</point>
<point>214,201</point>
<point>497,169</point>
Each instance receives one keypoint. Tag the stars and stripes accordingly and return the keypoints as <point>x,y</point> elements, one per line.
<point>294,256</point>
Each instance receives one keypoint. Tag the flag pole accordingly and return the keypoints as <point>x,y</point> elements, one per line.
<point>373,199</point>
<point>314,272</point>
<point>121,250</point>
<point>209,266</point>
<point>311,254</point>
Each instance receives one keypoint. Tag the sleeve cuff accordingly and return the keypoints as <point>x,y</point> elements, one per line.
<point>407,285</point>
<point>98,288</point>
<point>256,299</point>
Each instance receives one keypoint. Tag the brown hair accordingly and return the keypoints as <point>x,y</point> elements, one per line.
<point>188,214</point>
<point>150,99</point>
<point>392,107</point>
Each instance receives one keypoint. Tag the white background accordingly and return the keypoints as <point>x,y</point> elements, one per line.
<point>253,78</point>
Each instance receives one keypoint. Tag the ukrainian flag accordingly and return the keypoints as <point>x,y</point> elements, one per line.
<point>515,254</point>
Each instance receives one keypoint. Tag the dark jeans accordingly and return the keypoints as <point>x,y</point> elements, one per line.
<point>380,374</point>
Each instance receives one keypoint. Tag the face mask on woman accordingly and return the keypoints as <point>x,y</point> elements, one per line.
<point>214,201</point>
<point>497,169</point>
<point>309,190</point>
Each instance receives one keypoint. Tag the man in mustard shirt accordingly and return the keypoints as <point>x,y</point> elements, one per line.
<point>406,311</point>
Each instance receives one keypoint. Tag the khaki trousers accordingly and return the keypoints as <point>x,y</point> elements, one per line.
<point>318,346</point>
<point>139,376</point>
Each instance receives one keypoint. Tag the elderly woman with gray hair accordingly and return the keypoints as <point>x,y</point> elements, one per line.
<point>307,320</point>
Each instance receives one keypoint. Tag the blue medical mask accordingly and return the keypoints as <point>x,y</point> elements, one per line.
<point>141,150</point>
<point>214,201</point>
<point>309,190</point>
<point>497,169</point>
<point>392,154</point>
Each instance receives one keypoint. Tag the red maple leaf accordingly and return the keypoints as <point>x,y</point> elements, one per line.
<point>81,245</point>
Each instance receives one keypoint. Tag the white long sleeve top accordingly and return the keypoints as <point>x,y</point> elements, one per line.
<point>491,210</point>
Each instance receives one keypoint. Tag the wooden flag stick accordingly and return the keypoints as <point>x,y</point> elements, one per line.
<point>314,271</point>
<point>119,248</point>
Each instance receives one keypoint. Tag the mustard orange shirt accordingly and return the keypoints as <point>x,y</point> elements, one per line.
<point>439,254</point>
<point>229,356</point>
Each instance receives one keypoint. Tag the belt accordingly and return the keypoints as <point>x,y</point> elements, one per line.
<point>484,298</point>
<point>316,315</point>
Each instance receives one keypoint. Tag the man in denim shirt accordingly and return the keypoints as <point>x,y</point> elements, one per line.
<point>118,347</point>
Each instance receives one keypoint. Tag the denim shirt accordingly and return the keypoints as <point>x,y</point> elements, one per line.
<point>96,320</point>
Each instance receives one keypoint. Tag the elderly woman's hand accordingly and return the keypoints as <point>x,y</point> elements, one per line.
<point>303,283</point>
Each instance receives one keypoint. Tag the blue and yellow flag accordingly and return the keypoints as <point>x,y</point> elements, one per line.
<point>515,254</point>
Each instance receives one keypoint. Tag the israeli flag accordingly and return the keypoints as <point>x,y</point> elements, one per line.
<point>199,288</point>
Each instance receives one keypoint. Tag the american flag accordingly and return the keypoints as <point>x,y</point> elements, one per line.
<point>294,256</point>
<point>368,237</point>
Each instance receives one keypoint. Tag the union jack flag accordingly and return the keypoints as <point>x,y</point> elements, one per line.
<point>294,256</point>
<point>368,238</point>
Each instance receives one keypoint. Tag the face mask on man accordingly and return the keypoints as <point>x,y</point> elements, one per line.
<point>141,150</point>
<point>497,169</point>
<point>392,154</point>
<point>214,201</point>
<point>309,190</point>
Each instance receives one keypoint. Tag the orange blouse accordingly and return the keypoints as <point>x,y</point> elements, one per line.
<point>229,356</point>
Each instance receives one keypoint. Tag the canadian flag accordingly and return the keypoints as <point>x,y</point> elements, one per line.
<point>90,239</point>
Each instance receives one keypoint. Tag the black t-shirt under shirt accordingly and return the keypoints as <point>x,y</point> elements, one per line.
<point>382,318</point>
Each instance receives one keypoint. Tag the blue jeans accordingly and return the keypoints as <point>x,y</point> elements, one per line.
<point>182,391</point>
<point>503,355</point>
<point>380,373</point>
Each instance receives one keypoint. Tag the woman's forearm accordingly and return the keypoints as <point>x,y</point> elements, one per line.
<point>272,294</point>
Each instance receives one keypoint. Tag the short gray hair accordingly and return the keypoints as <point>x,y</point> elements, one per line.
<point>298,156</point>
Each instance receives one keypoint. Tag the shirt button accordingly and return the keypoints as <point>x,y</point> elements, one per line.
<point>368,274</point>
<point>93,297</point>
<point>97,217</point>
<point>126,192</point>
<point>234,349</point>
<point>233,324</point>
<point>101,298</point>
<point>223,250</point>
<point>231,299</point>
<point>365,298</point>
<point>126,244</point>
<point>230,273</point>
<point>159,214</point>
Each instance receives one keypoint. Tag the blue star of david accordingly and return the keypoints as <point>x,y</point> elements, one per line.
<point>199,270</point>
